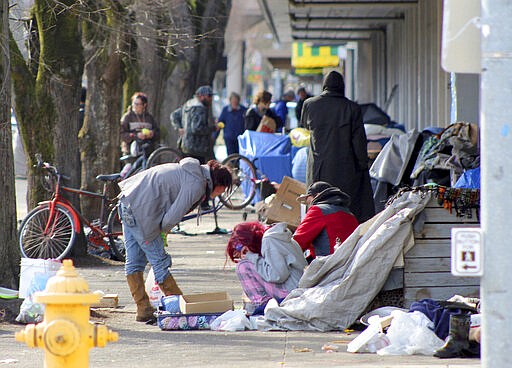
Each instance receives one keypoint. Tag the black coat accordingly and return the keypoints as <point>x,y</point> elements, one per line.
<point>338,153</point>
<point>253,118</point>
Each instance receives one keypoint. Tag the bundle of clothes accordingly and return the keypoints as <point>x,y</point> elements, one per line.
<point>441,156</point>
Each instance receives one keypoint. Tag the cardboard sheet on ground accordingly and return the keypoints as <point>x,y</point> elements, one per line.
<point>335,290</point>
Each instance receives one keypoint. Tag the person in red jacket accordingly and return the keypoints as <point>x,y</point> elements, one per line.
<point>327,219</point>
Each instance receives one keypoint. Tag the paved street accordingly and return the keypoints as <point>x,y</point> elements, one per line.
<point>198,265</point>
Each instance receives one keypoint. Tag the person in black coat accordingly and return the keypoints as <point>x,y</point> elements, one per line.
<point>303,96</point>
<point>338,152</point>
<point>260,108</point>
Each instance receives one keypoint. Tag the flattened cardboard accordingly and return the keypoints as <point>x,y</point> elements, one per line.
<point>107,301</point>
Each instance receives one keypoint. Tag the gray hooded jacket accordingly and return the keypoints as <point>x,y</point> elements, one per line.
<point>282,261</point>
<point>160,196</point>
<point>194,119</point>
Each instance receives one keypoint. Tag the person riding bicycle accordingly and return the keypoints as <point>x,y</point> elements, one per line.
<point>153,202</point>
<point>139,125</point>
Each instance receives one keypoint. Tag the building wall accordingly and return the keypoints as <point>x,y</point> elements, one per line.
<point>468,97</point>
<point>408,55</point>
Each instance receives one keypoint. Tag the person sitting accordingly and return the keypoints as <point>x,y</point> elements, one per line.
<point>328,220</point>
<point>269,263</point>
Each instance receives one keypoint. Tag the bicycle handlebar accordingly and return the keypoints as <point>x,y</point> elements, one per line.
<point>51,169</point>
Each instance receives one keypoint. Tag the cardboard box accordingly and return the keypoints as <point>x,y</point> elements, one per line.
<point>284,207</point>
<point>205,303</point>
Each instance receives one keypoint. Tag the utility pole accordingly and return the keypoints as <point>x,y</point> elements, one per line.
<point>496,182</point>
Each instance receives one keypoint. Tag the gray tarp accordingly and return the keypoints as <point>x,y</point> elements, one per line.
<point>390,164</point>
<point>335,290</point>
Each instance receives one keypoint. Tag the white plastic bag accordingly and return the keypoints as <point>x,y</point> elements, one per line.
<point>410,334</point>
<point>231,321</point>
<point>153,290</point>
<point>30,311</point>
<point>370,340</point>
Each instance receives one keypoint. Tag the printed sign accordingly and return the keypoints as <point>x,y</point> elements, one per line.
<point>467,252</point>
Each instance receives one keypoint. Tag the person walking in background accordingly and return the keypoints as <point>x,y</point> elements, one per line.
<point>233,117</point>
<point>152,202</point>
<point>269,263</point>
<point>138,123</point>
<point>328,220</point>
<point>280,107</point>
<point>261,109</point>
<point>191,120</point>
<point>303,96</point>
<point>338,146</point>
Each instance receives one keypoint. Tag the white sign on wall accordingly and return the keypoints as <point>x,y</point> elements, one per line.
<point>467,252</point>
<point>460,44</point>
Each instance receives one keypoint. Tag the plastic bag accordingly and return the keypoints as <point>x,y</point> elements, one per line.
<point>267,125</point>
<point>371,339</point>
<point>410,334</point>
<point>30,311</point>
<point>300,137</point>
<point>153,290</point>
<point>231,321</point>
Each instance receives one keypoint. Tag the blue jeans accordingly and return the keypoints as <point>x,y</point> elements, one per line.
<point>139,252</point>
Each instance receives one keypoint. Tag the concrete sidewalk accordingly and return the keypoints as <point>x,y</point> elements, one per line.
<point>198,266</point>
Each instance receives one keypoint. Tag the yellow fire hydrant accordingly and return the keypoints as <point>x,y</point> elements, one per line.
<point>66,335</point>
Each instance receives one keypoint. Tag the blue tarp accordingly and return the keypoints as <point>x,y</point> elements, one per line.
<point>270,153</point>
<point>470,179</point>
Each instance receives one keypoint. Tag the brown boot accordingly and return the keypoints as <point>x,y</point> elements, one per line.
<point>144,308</point>
<point>170,287</point>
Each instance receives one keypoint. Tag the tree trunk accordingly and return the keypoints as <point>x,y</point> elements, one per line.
<point>59,82</point>
<point>47,104</point>
<point>151,64</point>
<point>35,133</point>
<point>170,68</point>
<point>99,136</point>
<point>9,251</point>
<point>47,100</point>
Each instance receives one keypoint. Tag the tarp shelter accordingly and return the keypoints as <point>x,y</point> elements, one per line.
<point>270,153</point>
<point>335,290</point>
<point>372,114</point>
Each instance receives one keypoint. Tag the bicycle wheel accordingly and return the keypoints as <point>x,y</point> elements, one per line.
<point>163,155</point>
<point>56,242</point>
<point>244,182</point>
<point>115,235</point>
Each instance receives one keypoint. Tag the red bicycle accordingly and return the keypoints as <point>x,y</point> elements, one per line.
<point>50,229</point>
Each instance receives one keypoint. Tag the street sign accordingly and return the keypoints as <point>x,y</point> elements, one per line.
<point>467,252</point>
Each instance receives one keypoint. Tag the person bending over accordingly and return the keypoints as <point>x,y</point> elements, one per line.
<point>153,202</point>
